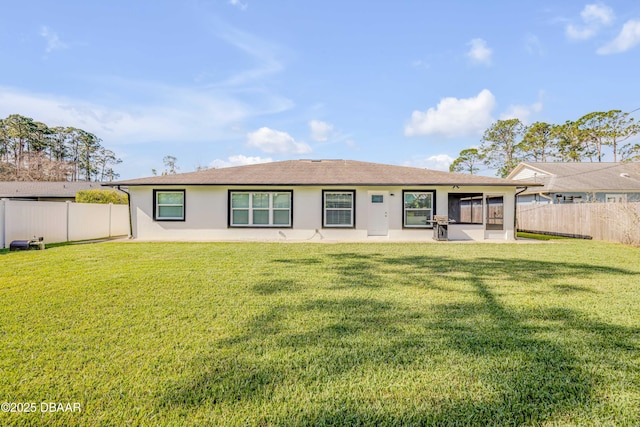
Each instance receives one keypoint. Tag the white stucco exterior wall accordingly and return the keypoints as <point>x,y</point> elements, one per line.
<point>207,211</point>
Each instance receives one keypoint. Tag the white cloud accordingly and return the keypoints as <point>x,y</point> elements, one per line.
<point>577,33</point>
<point>438,162</point>
<point>52,39</point>
<point>598,14</point>
<point>594,17</point>
<point>239,4</point>
<point>454,117</point>
<point>533,45</point>
<point>479,53</point>
<point>628,38</point>
<point>522,112</point>
<point>274,141</point>
<point>264,54</point>
<point>239,160</point>
<point>320,131</point>
<point>167,114</point>
<point>420,64</point>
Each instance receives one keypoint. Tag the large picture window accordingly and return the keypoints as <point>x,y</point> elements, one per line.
<point>465,208</point>
<point>168,205</point>
<point>418,209</point>
<point>338,208</point>
<point>260,209</point>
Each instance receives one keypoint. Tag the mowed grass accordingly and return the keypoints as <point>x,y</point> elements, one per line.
<point>323,334</point>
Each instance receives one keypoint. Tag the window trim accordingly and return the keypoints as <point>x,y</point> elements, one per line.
<point>156,207</point>
<point>617,198</point>
<point>429,225</point>
<point>271,209</point>
<point>353,208</point>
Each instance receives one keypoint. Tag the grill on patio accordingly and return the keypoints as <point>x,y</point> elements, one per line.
<point>440,227</point>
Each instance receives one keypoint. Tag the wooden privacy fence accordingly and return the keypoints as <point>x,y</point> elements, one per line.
<point>60,222</point>
<point>613,222</point>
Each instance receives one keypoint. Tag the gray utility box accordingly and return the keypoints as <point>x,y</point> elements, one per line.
<point>440,228</point>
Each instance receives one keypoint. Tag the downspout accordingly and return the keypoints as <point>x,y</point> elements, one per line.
<point>129,205</point>
<point>515,212</point>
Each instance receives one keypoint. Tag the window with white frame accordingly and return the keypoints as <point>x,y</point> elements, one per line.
<point>418,209</point>
<point>260,209</point>
<point>338,208</point>
<point>616,198</point>
<point>168,205</point>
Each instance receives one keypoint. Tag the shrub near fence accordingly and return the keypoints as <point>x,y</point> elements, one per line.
<point>60,222</point>
<point>613,222</point>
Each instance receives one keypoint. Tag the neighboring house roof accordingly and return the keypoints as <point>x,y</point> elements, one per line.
<point>31,189</point>
<point>319,172</point>
<point>579,177</point>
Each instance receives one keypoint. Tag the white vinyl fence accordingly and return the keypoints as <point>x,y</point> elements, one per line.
<point>614,222</point>
<point>60,222</point>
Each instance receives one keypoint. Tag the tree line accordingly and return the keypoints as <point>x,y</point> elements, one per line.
<point>506,143</point>
<point>33,151</point>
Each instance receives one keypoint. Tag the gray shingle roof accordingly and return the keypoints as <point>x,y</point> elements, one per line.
<point>45,188</point>
<point>321,173</point>
<point>584,177</point>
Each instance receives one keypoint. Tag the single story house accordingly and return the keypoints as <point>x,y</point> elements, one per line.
<point>578,182</point>
<point>45,191</point>
<point>306,200</point>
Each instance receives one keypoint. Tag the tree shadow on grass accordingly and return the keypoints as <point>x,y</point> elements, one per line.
<point>298,261</point>
<point>222,380</point>
<point>533,378</point>
<point>486,269</point>
<point>355,270</point>
<point>570,289</point>
<point>524,359</point>
<point>276,286</point>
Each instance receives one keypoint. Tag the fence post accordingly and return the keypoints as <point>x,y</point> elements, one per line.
<point>3,222</point>
<point>68,219</point>
<point>110,208</point>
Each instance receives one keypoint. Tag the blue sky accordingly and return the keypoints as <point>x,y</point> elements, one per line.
<point>228,82</point>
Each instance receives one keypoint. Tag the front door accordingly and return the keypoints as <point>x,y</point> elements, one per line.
<point>378,213</point>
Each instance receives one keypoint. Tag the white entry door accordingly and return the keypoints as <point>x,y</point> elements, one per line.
<point>378,213</point>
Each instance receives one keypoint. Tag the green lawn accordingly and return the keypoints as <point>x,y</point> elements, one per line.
<point>323,334</point>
